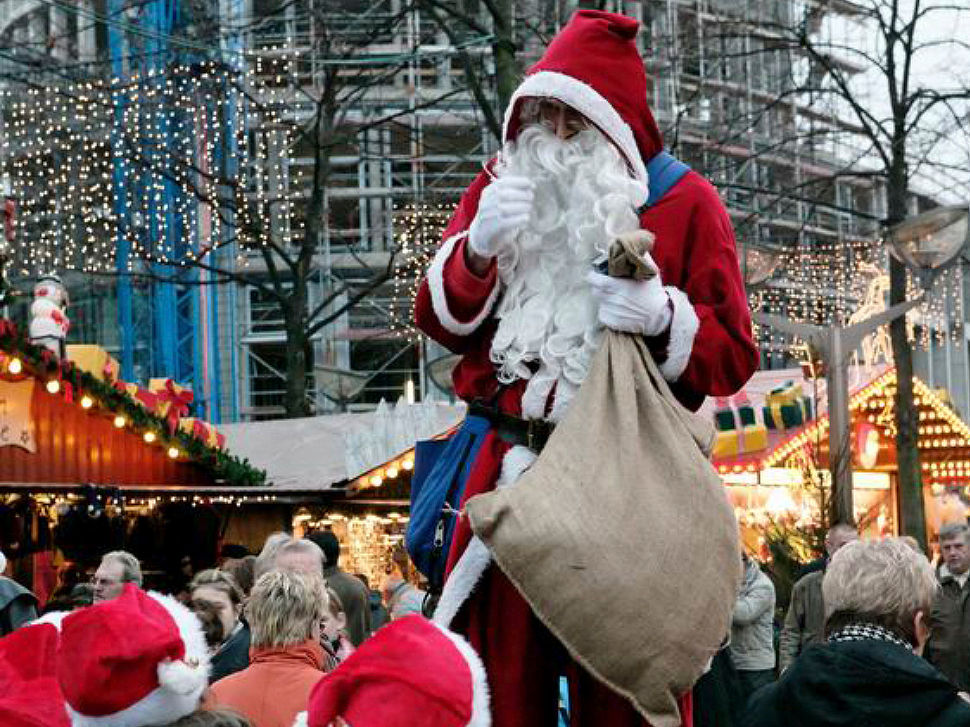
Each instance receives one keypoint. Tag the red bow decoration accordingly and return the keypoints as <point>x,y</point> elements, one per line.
<point>178,402</point>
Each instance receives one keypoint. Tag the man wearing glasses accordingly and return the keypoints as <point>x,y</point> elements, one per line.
<point>117,568</point>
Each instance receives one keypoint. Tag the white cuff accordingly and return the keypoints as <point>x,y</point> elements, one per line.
<point>683,329</point>
<point>439,301</point>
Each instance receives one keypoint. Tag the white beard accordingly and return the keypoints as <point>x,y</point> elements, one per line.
<point>584,198</point>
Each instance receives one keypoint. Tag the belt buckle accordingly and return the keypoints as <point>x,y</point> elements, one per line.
<point>530,435</point>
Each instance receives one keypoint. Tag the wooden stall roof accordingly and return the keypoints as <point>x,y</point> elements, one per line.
<point>46,439</point>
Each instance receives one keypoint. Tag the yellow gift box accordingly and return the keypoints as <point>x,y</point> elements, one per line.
<point>202,430</point>
<point>95,360</point>
<point>726,444</point>
<point>755,438</point>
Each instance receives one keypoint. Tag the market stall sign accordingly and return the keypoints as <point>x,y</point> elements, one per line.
<point>16,422</point>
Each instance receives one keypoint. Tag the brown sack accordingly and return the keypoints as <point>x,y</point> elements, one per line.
<point>620,536</point>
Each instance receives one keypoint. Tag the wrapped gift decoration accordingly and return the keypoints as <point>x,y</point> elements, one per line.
<point>203,431</point>
<point>140,395</point>
<point>173,401</point>
<point>724,418</point>
<point>755,438</point>
<point>785,407</point>
<point>95,360</point>
<point>726,444</point>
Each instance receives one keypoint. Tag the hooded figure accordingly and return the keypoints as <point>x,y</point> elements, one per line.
<point>512,289</point>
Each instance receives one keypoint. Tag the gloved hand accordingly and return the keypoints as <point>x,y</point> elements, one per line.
<point>503,210</point>
<point>632,306</point>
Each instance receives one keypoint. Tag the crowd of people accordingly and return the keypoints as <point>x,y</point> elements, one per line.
<point>873,634</point>
<point>244,643</point>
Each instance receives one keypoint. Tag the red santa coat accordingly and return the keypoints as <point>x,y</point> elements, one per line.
<point>594,67</point>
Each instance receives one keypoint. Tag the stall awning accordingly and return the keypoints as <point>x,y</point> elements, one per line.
<point>317,453</point>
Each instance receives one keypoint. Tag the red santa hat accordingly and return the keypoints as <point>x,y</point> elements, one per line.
<point>29,693</point>
<point>594,67</point>
<point>411,673</point>
<point>139,659</point>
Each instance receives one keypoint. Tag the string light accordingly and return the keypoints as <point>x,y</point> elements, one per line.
<point>149,437</point>
<point>86,402</point>
<point>15,366</point>
<point>173,130</point>
<point>119,421</point>
<point>173,452</point>
<point>53,386</point>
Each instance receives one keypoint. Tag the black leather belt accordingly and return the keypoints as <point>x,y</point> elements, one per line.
<point>531,433</point>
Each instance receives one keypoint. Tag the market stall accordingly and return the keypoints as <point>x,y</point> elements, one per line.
<point>772,452</point>
<point>350,473</point>
<point>89,464</point>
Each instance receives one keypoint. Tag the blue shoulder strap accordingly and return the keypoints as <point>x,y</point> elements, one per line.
<point>663,172</point>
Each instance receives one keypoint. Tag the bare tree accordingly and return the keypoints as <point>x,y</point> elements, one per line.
<point>311,100</point>
<point>867,93</point>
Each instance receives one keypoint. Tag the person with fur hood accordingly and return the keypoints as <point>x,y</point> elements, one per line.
<point>513,290</point>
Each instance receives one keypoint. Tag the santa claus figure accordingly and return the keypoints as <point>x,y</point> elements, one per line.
<point>49,323</point>
<point>516,289</point>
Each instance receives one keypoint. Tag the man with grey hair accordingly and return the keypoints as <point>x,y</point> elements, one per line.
<point>117,568</point>
<point>949,645</point>
<point>806,612</point>
<point>284,552</point>
<point>878,596</point>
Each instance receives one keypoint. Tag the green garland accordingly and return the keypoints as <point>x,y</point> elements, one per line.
<point>223,467</point>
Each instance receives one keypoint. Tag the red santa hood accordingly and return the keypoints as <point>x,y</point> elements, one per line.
<point>594,67</point>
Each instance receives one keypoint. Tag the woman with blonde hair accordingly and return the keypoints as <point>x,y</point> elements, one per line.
<point>220,590</point>
<point>284,612</point>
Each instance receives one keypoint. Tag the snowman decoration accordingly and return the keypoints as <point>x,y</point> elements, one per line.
<point>48,322</point>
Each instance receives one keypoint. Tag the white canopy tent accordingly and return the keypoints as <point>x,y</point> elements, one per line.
<point>317,453</point>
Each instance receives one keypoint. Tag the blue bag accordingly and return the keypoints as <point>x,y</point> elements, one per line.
<point>441,468</point>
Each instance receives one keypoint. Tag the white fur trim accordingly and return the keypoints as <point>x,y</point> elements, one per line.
<point>586,100</point>
<point>462,580</point>
<point>683,329</point>
<point>196,650</point>
<point>439,301</point>
<point>516,461</point>
<point>54,618</point>
<point>302,720</point>
<point>160,707</point>
<point>470,568</point>
<point>481,716</point>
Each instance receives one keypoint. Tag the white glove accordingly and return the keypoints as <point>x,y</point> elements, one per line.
<point>503,210</point>
<point>632,306</point>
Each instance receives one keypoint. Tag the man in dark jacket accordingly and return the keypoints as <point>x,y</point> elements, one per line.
<point>806,612</point>
<point>17,605</point>
<point>868,672</point>
<point>354,595</point>
<point>949,646</point>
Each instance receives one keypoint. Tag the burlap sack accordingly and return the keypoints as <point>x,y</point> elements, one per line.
<point>620,536</point>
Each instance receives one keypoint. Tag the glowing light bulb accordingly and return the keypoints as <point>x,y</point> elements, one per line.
<point>173,452</point>
<point>86,402</point>
<point>16,366</point>
<point>119,422</point>
<point>53,386</point>
<point>149,437</point>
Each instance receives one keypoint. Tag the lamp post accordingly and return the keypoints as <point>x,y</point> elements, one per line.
<point>926,243</point>
<point>835,345</point>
